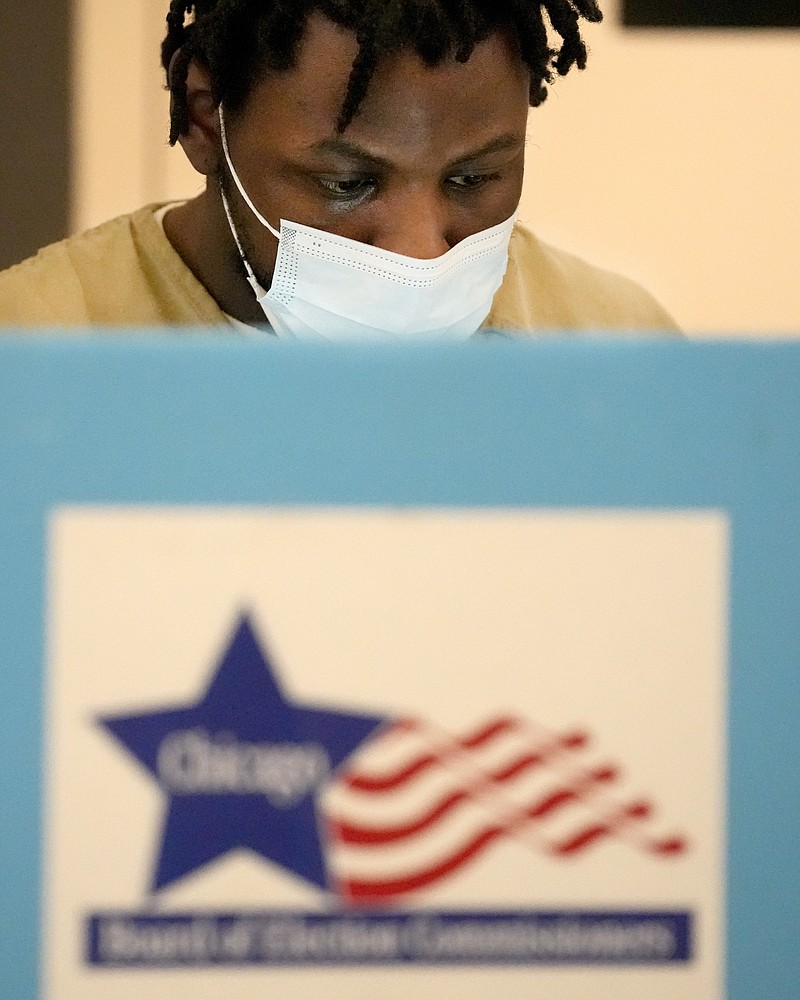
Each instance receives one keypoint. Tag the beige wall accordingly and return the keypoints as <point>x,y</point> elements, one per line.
<point>675,158</point>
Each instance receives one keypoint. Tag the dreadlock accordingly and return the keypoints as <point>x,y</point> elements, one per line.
<point>240,41</point>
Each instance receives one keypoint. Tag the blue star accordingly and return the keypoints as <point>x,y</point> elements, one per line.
<point>242,768</point>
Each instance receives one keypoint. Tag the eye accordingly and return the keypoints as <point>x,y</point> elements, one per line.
<point>470,182</point>
<point>347,188</point>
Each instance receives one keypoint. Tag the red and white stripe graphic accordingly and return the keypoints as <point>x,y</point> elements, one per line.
<point>416,805</point>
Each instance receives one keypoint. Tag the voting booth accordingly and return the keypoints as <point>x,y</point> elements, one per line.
<point>444,671</point>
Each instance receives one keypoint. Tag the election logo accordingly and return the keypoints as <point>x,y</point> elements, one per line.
<point>374,809</point>
<point>382,752</point>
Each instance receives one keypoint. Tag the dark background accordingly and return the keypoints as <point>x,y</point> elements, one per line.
<point>712,13</point>
<point>35,146</point>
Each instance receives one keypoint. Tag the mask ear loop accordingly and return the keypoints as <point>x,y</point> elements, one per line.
<point>235,176</point>
<point>255,284</point>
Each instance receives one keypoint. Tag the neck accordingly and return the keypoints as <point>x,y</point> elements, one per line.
<point>200,234</point>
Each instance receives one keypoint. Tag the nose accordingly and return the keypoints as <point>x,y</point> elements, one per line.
<point>414,226</point>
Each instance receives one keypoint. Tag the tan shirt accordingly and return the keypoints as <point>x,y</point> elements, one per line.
<point>127,273</point>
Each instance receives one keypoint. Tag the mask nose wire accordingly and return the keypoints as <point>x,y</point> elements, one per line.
<point>238,183</point>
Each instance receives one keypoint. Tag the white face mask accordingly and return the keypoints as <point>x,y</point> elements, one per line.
<point>328,287</point>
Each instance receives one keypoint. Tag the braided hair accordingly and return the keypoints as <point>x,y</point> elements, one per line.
<point>239,41</point>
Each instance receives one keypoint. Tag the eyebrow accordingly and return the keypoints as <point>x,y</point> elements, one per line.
<point>351,150</point>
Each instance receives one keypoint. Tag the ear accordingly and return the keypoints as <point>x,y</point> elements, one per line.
<point>201,141</point>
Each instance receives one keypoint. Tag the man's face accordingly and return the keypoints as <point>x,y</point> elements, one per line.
<point>433,155</point>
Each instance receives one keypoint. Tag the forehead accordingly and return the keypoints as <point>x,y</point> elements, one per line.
<point>407,102</point>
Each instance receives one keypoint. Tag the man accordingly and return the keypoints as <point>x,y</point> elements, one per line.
<point>364,163</point>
